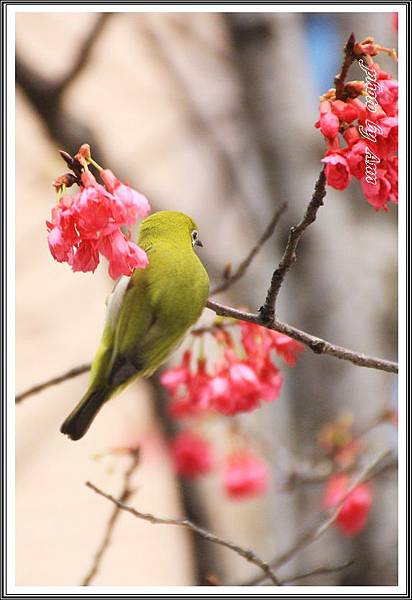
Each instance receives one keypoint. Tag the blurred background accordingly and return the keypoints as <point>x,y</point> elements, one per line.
<point>211,114</point>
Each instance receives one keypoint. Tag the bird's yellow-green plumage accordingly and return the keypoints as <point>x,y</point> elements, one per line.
<point>148,313</point>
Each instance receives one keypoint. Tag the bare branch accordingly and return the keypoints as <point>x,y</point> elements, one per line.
<point>84,51</point>
<point>242,268</point>
<point>247,554</point>
<point>318,571</point>
<point>268,310</point>
<point>317,345</point>
<point>375,467</point>
<point>124,496</point>
<point>75,372</point>
<point>316,474</point>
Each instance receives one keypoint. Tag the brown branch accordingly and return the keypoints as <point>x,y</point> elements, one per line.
<point>124,496</point>
<point>242,268</point>
<point>348,59</point>
<point>84,52</point>
<point>247,554</point>
<point>319,474</point>
<point>317,345</point>
<point>372,469</point>
<point>54,381</point>
<point>268,310</point>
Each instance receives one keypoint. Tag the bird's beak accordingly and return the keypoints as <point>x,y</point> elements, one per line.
<point>198,243</point>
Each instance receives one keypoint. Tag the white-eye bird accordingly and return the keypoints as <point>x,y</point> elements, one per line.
<point>148,313</point>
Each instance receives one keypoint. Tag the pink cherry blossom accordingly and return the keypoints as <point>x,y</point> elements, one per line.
<point>191,454</point>
<point>245,475</point>
<point>337,171</point>
<point>135,204</point>
<point>377,193</point>
<point>92,222</point>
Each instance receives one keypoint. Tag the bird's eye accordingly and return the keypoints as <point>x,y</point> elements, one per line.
<point>195,239</point>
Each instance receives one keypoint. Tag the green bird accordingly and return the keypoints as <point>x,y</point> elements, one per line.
<point>148,313</point>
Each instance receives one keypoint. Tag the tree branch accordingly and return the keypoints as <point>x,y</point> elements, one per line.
<point>75,372</point>
<point>124,496</point>
<point>348,59</point>
<point>318,571</point>
<point>84,51</point>
<point>370,470</point>
<point>317,345</point>
<point>268,310</point>
<point>247,554</point>
<point>316,474</point>
<point>242,268</point>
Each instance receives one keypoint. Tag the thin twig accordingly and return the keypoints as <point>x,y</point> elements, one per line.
<point>370,470</point>
<point>318,571</point>
<point>54,381</point>
<point>242,268</point>
<point>124,496</point>
<point>247,554</point>
<point>317,345</point>
<point>319,474</point>
<point>268,310</point>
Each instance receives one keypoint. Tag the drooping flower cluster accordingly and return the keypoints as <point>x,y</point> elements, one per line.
<point>243,377</point>
<point>243,473</point>
<point>369,129</point>
<point>96,220</point>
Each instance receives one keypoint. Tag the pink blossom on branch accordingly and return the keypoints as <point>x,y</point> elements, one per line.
<point>369,128</point>
<point>234,385</point>
<point>96,221</point>
<point>337,171</point>
<point>258,341</point>
<point>190,390</point>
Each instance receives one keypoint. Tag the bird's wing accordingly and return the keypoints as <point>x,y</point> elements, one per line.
<point>114,301</point>
<point>132,316</point>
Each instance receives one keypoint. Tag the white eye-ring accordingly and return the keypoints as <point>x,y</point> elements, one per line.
<point>195,239</point>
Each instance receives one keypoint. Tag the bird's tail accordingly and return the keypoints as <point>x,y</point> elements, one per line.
<point>80,419</point>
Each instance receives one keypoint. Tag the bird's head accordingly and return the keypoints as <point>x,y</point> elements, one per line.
<point>171,225</point>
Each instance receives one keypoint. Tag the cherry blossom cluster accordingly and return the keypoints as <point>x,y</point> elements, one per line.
<point>96,221</point>
<point>244,376</point>
<point>362,137</point>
